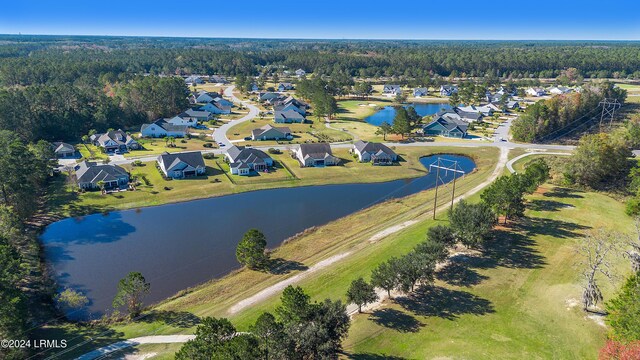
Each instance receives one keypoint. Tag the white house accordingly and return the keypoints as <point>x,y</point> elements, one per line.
<point>318,155</point>
<point>535,92</point>
<point>161,128</point>
<point>391,90</point>
<point>182,165</point>
<point>300,73</point>
<point>559,90</point>
<point>377,153</point>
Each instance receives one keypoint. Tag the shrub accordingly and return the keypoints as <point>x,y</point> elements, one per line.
<point>209,156</point>
<point>207,145</point>
<point>274,151</point>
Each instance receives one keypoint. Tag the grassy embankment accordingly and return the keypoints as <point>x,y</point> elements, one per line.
<point>517,300</point>
<point>65,201</point>
<point>351,233</point>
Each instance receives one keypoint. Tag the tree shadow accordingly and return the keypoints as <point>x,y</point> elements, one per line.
<point>180,319</point>
<point>396,320</point>
<point>280,266</point>
<point>546,205</point>
<point>458,273</point>
<point>510,249</point>
<point>550,227</point>
<point>564,193</point>
<point>371,356</point>
<point>81,338</point>
<point>444,303</point>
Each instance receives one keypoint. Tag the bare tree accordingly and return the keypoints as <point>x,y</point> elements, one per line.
<point>634,252</point>
<point>596,251</point>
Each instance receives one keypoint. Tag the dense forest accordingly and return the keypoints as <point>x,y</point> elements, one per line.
<point>86,60</point>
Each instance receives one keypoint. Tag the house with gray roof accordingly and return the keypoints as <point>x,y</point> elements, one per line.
<point>216,107</point>
<point>420,92</point>
<point>115,140</point>
<point>269,132</point>
<point>162,128</point>
<point>391,90</point>
<point>315,155</point>
<point>447,126</point>
<point>181,165</point>
<point>205,96</point>
<point>266,96</point>
<point>288,116</point>
<point>448,90</point>
<point>193,80</point>
<point>217,79</point>
<point>300,73</point>
<point>243,160</point>
<point>377,153</point>
<point>89,176</point>
<point>63,150</point>
<point>285,86</point>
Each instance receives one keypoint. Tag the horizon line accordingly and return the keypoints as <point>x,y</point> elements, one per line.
<point>310,38</point>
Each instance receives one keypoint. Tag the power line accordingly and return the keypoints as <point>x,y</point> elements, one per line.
<point>455,169</point>
<point>609,108</point>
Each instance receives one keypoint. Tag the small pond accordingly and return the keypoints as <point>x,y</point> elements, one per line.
<point>387,113</point>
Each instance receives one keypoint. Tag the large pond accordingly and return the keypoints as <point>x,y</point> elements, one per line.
<point>176,246</point>
<point>387,113</point>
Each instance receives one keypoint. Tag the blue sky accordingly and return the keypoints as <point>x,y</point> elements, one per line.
<point>390,19</point>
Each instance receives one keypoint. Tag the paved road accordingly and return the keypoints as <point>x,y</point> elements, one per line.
<point>157,339</point>
<point>220,134</point>
<point>512,161</point>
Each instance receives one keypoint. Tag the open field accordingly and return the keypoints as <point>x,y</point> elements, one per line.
<point>65,201</point>
<point>349,234</point>
<point>633,92</point>
<point>519,300</point>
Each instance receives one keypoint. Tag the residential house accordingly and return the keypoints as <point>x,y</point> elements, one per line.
<point>447,127</point>
<point>465,116</point>
<point>300,73</point>
<point>90,175</point>
<point>485,110</point>
<point>266,96</point>
<point>254,88</point>
<point>162,128</point>
<point>298,105</point>
<point>288,116</point>
<point>391,90</point>
<point>203,97</point>
<point>420,92</point>
<point>182,165</point>
<point>285,86</point>
<point>216,107</point>
<point>559,90</point>
<point>512,105</point>
<point>63,150</point>
<point>243,160</point>
<point>448,90</point>
<point>269,132</point>
<point>183,119</point>
<point>377,153</point>
<point>200,115</point>
<point>193,80</point>
<point>535,91</point>
<point>317,155</point>
<point>290,106</point>
<point>115,140</point>
<point>217,79</point>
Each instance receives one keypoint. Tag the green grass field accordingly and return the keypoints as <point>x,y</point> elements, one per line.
<point>152,146</point>
<point>308,132</point>
<point>518,300</point>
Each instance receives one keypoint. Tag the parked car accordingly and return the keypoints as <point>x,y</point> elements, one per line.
<point>247,138</point>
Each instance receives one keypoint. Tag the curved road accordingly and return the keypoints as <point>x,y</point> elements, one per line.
<point>220,134</point>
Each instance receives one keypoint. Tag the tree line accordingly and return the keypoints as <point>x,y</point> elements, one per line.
<point>27,169</point>
<point>552,118</point>
<point>66,112</point>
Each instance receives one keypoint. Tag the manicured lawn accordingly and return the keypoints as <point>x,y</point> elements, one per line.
<point>153,146</point>
<point>308,132</point>
<point>90,152</point>
<point>518,300</point>
<point>65,201</point>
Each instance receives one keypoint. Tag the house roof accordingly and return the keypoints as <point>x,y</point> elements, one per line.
<point>315,151</point>
<point>192,158</point>
<point>389,87</point>
<point>372,147</point>
<point>288,114</point>
<point>197,113</point>
<point>59,146</point>
<point>92,172</point>
<point>286,85</point>
<point>117,136</point>
<point>450,123</point>
<point>258,132</point>
<point>163,124</point>
<point>241,153</point>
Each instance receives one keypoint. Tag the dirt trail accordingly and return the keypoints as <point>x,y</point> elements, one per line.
<point>278,287</point>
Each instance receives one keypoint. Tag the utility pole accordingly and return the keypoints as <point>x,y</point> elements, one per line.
<point>453,191</point>
<point>435,199</point>
<point>609,107</point>
<point>455,171</point>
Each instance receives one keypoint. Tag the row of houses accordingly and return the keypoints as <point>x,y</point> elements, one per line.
<point>286,109</point>
<point>201,79</point>
<point>391,90</point>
